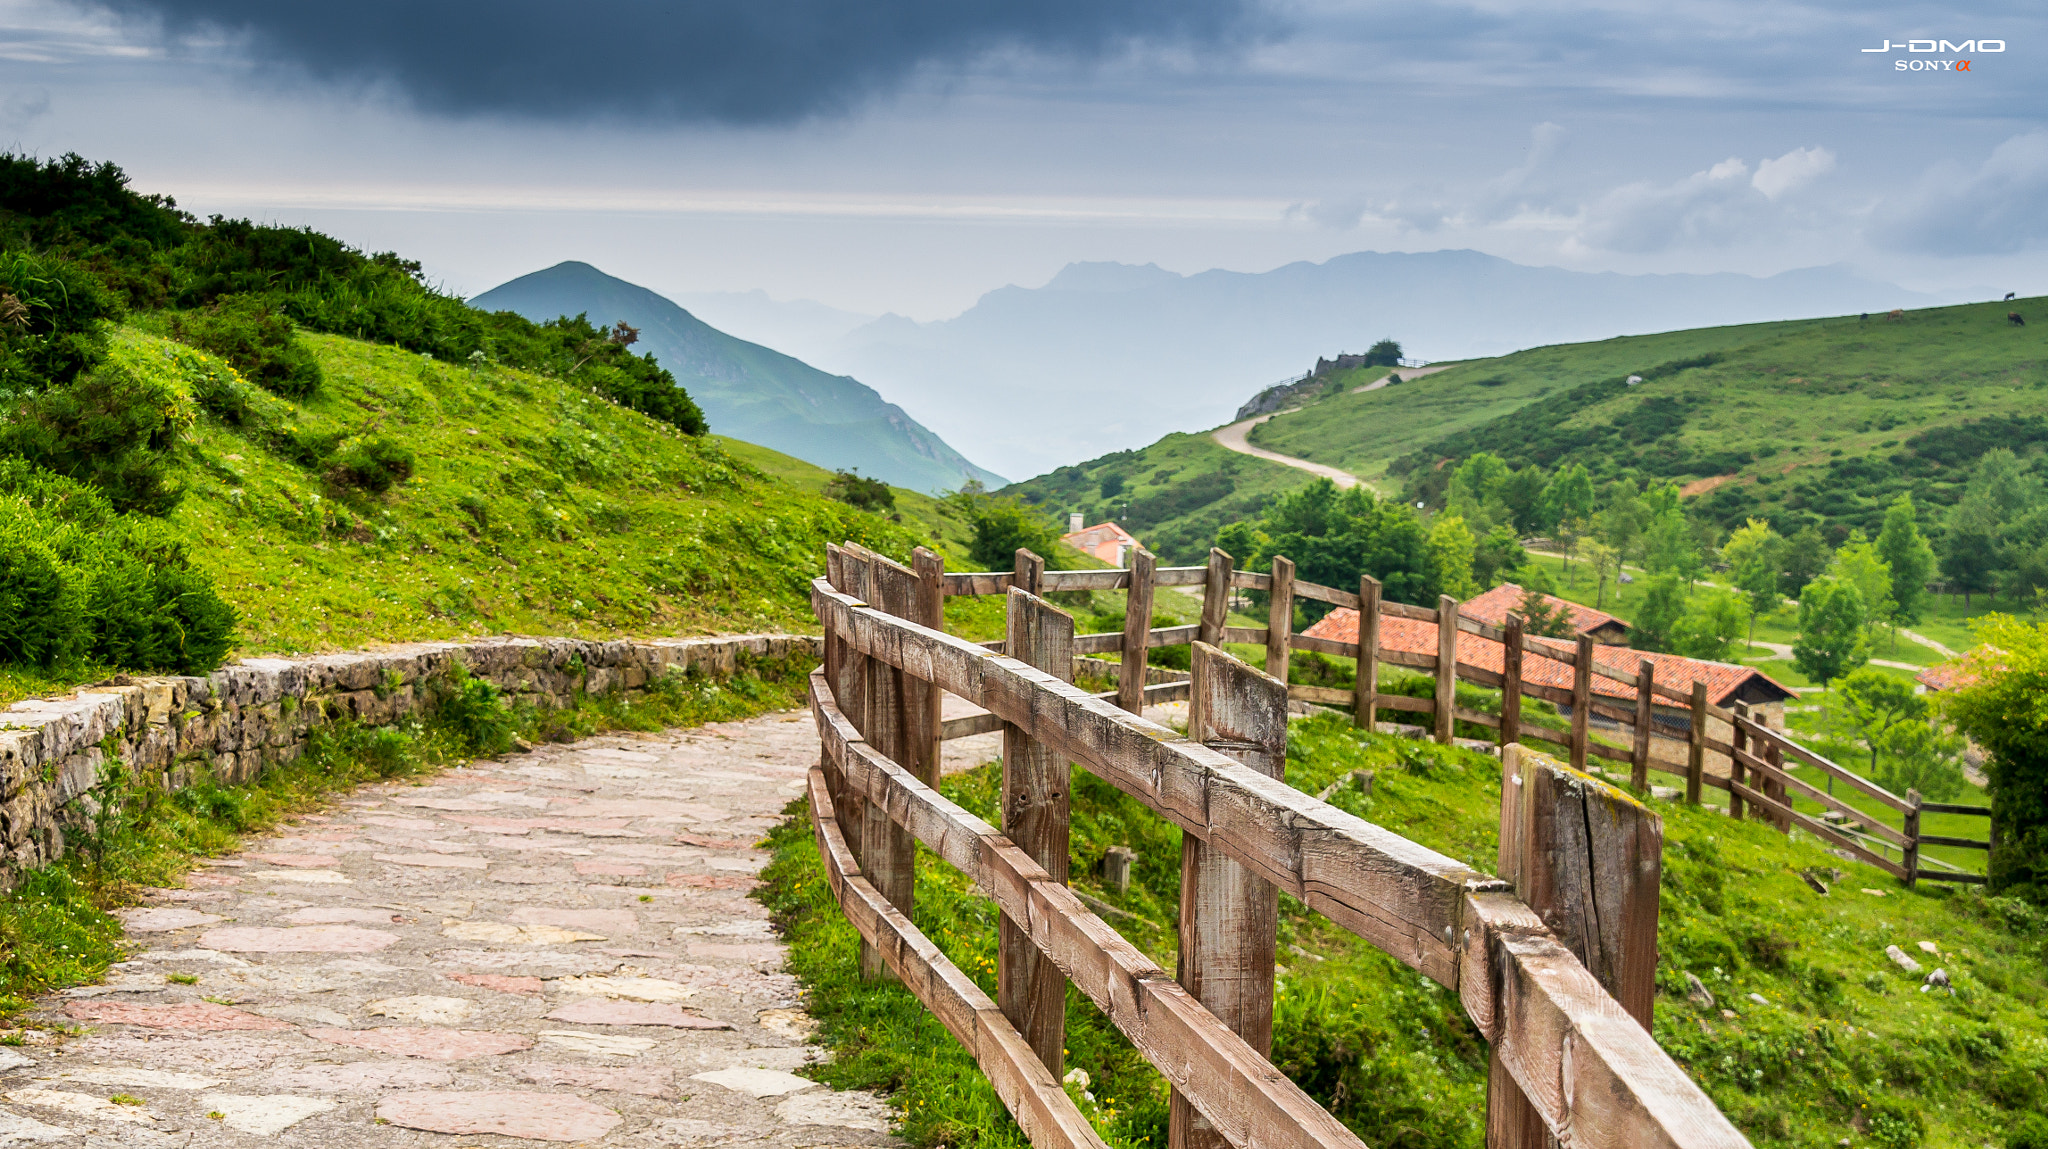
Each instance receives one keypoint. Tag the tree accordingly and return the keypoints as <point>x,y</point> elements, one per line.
<point>1002,527</point>
<point>1450,557</point>
<point>1970,552</point>
<point>1831,641</point>
<point>1497,556</point>
<point>1523,494</point>
<point>1334,536</point>
<point>1566,505</point>
<point>871,495</point>
<point>1606,563</point>
<point>1804,558</point>
<point>1385,353</point>
<point>1910,558</point>
<point>1998,704</point>
<point>1551,618</point>
<point>1752,554</point>
<point>1907,751</point>
<point>1869,702</point>
<point>1858,564</point>
<point>1657,619</point>
<point>1712,623</point>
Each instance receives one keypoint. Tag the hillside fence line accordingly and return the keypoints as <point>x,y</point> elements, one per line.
<point>1553,962</point>
<point>232,725</point>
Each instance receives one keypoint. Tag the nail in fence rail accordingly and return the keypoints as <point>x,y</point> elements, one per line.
<point>1591,1072</point>
<point>1756,754</point>
<point>1229,916</point>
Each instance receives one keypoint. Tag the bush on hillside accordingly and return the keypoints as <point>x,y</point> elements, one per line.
<point>259,340</point>
<point>373,464</point>
<point>41,620</point>
<point>109,428</point>
<point>53,316</point>
<point>872,495</point>
<point>2000,708</point>
<point>1004,526</point>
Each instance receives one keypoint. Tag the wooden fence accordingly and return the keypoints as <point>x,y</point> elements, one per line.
<point>1759,783</point>
<point>1557,980</point>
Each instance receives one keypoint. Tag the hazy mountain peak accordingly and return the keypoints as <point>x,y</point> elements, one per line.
<point>1109,276</point>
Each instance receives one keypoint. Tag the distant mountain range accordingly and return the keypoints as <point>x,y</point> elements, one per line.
<point>1110,355</point>
<point>748,391</point>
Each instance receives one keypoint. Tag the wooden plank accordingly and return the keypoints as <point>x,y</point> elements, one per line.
<point>1954,876</point>
<point>1736,767</point>
<point>1766,770</point>
<point>1484,630</point>
<point>1034,1097</point>
<point>1404,703</point>
<point>1105,643</point>
<point>1029,573</point>
<point>1951,808</point>
<point>1765,736</point>
<point>1511,681</point>
<point>1388,607</point>
<point>1251,580</point>
<point>1478,675</point>
<point>1478,717</point>
<point>1035,817</point>
<point>1321,695</point>
<point>1174,635</point>
<point>1343,598</point>
<point>1696,745</point>
<point>1818,828</point>
<point>1280,617</point>
<point>1256,635</point>
<point>1582,699</point>
<point>1130,690</point>
<point>1944,840</point>
<point>976,583</point>
<point>1323,645</point>
<point>969,725</point>
<point>1180,576</point>
<point>1408,659</point>
<point>1610,753</point>
<point>1085,580</point>
<point>1554,651</point>
<point>1215,598</point>
<point>1446,666</point>
<point>1229,916</point>
<point>1639,758</point>
<point>1367,685</point>
<point>1585,857</point>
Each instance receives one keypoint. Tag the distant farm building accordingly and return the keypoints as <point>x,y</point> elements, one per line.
<point>1106,541</point>
<point>1495,605</point>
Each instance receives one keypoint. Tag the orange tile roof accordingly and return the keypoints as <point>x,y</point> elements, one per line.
<point>1947,675</point>
<point>1724,680</point>
<point>1493,608</point>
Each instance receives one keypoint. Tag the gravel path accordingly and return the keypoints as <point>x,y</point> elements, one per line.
<point>550,947</point>
<point>1235,437</point>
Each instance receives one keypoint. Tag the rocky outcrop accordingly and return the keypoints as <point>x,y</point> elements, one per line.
<point>238,721</point>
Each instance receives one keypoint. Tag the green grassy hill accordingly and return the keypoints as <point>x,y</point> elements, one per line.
<point>1821,421</point>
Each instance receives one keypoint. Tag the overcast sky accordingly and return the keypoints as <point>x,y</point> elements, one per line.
<point>909,155</point>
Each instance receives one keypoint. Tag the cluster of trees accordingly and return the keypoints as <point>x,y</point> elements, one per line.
<point>1998,706</point>
<point>1334,536</point>
<point>1997,537</point>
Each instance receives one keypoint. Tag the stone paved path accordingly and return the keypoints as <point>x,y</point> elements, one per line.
<point>550,947</point>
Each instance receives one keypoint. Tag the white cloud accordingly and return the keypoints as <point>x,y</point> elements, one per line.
<point>2001,207</point>
<point>1791,171</point>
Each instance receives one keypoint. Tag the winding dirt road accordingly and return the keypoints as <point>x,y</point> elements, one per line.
<point>1235,437</point>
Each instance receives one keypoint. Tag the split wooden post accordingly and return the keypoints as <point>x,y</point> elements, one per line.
<point>1116,868</point>
<point>847,570</point>
<point>1646,713</point>
<point>894,729</point>
<point>1696,745</point>
<point>1130,682</point>
<point>1582,700</point>
<point>1446,667</point>
<point>1028,575</point>
<point>1737,772</point>
<point>1365,715</point>
<point>1775,755</point>
<point>1511,683</point>
<point>1215,598</point>
<point>1229,917</point>
<point>1586,857</point>
<point>1909,854</point>
<point>1280,618</point>
<point>1030,988</point>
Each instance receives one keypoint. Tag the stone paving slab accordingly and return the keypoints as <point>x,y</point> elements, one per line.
<point>554,947</point>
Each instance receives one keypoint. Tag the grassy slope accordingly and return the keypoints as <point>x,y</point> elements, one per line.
<point>535,508</point>
<point>1844,1046</point>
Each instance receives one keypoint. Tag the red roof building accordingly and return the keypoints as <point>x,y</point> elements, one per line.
<point>1105,541</point>
<point>1495,605</point>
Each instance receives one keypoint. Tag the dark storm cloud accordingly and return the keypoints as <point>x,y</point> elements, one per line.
<point>733,61</point>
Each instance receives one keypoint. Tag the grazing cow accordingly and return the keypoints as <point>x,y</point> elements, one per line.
<point>2009,295</point>
<point>2013,317</point>
<point>1896,315</point>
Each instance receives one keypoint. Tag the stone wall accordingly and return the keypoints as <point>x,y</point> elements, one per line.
<point>242,719</point>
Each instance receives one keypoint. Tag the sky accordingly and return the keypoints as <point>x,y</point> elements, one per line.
<point>908,155</point>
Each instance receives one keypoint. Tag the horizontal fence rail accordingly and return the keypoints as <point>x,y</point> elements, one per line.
<point>1590,1072</point>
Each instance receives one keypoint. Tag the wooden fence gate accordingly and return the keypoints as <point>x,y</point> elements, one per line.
<point>1557,979</point>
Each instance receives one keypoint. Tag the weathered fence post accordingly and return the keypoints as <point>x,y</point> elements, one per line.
<point>1130,682</point>
<point>1280,618</point>
<point>1028,575</point>
<point>1229,918</point>
<point>1696,745</point>
<point>1582,700</point>
<point>1775,791</point>
<point>1646,714</point>
<point>1738,739</point>
<point>1586,857</point>
<point>1030,988</point>
<point>1909,854</point>
<point>1511,683</point>
<point>925,697</point>
<point>1215,598</point>
<point>895,729</point>
<point>1446,667</point>
<point>1367,711</point>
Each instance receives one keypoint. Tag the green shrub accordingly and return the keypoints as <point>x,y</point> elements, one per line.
<point>1002,527</point>
<point>262,343</point>
<point>109,428</point>
<point>2030,1133</point>
<point>145,614</point>
<point>373,464</point>
<point>865,494</point>
<point>41,621</point>
<point>52,322</point>
<point>476,713</point>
